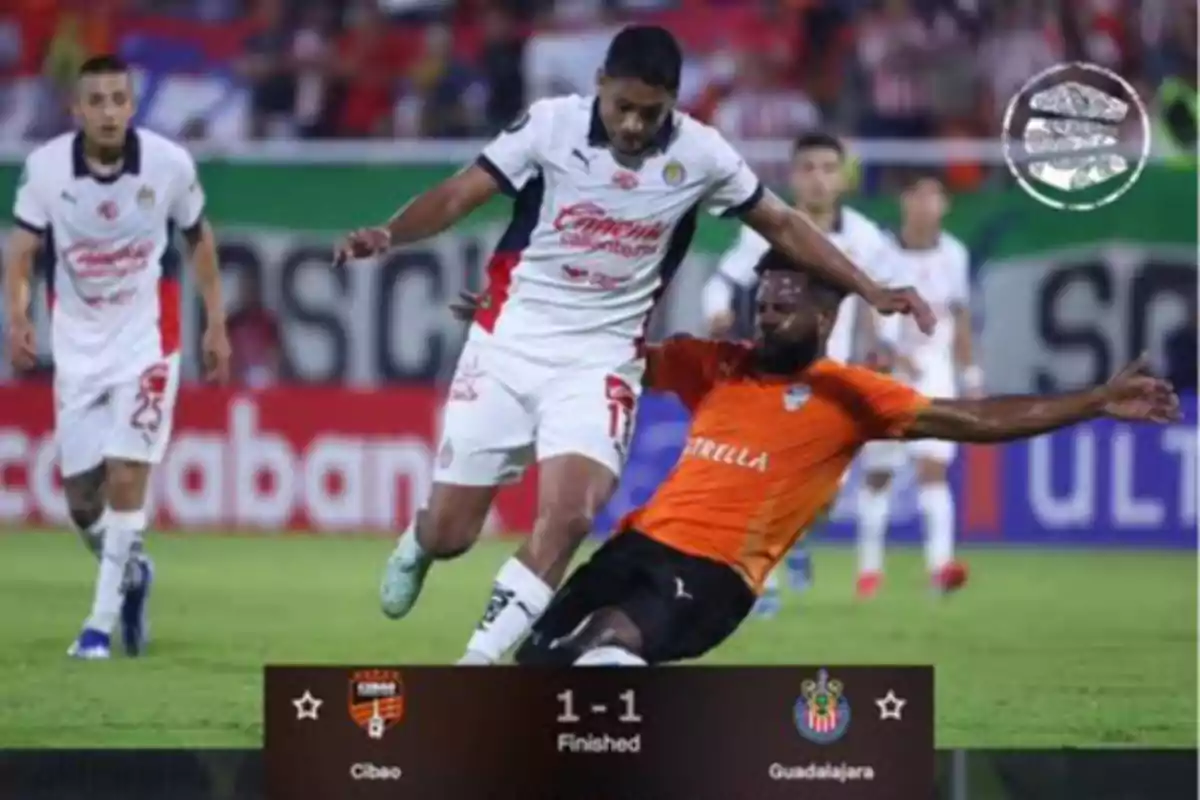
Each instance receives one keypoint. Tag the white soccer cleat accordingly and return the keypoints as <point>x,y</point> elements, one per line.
<point>403,578</point>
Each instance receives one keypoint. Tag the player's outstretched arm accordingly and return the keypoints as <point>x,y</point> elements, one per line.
<point>428,214</point>
<point>20,250</point>
<point>1133,395</point>
<point>794,234</point>
<point>515,157</point>
<point>442,206</point>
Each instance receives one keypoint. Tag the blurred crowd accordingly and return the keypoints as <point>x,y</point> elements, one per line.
<point>239,70</point>
<point>463,68</point>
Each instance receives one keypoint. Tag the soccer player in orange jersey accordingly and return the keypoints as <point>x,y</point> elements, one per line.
<point>775,424</point>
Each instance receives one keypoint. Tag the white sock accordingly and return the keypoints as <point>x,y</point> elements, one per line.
<point>872,528</point>
<point>518,598</point>
<point>609,656</point>
<point>937,512</point>
<point>123,530</point>
<point>93,540</point>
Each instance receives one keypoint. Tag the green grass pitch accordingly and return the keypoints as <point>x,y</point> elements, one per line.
<point>1042,649</point>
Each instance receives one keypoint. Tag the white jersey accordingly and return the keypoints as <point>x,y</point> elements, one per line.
<point>111,269</point>
<point>595,237</point>
<point>860,239</point>
<point>942,276</point>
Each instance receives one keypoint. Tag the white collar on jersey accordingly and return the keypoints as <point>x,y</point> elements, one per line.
<point>131,159</point>
<point>839,219</point>
<point>912,248</point>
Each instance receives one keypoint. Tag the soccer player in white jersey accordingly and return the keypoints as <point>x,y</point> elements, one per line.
<point>940,365</point>
<point>606,193</point>
<point>96,209</point>
<point>818,183</point>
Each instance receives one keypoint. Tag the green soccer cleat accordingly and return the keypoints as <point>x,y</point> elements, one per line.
<point>403,577</point>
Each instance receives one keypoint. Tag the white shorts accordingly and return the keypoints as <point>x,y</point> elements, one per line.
<point>936,380</point>
<point>129,419</point>
<point>505,411</point>
<point>891,456</point>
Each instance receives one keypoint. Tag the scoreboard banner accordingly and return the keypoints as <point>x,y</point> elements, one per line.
<point>341,460</point>
<point>1073,296</point>
<point>662,734</point>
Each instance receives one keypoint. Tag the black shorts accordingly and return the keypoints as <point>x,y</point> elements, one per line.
<point>683,605</point>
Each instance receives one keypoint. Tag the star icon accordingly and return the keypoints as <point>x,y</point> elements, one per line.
<point>889,706</point>
<point>306,706</point>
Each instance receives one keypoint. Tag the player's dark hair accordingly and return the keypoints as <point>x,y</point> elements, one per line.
<point>106,64</point>
<point>827,295</point>
<point>647,53</point>
<point>818,140</point>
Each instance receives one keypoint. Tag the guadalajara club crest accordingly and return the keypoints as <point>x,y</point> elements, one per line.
<point>822,712</point>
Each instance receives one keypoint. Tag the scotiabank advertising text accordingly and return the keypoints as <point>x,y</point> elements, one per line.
<point>281,459</point>
<point>332,459</point>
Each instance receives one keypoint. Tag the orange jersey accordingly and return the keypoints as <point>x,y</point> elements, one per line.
<point>765,455</point>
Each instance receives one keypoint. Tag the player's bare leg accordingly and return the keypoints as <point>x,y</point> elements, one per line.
<point>873,507</point>
<point>447,527</point>
<point>936,504</point>
<point>571,490</point>
<point>86,502</point>
<point>124,522</point>
<point>85,505</point>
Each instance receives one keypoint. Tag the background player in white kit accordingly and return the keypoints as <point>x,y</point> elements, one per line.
<point>606,195</point>
<point>818,183</point>
<point>940,365</point>
<point>96,208</point>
